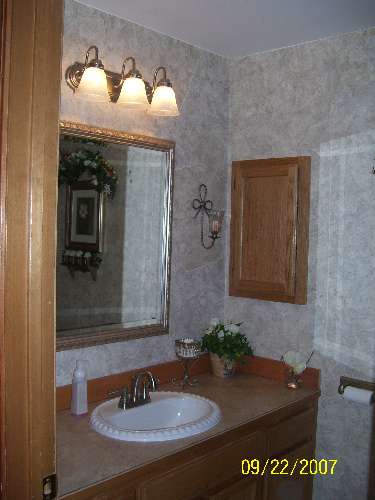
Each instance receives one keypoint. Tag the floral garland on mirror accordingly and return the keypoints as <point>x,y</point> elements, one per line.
<point>73,165</point>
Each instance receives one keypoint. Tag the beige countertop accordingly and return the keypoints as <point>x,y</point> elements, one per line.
<point>85,457</point>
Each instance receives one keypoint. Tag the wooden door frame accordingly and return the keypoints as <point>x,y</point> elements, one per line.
<point>31,42</point>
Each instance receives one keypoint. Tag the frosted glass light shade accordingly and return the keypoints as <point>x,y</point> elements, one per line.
<point>93,85</point>
<point>164,102</point>
<point>133,94</point>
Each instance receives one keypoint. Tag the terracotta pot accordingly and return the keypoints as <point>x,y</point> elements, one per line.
<point>222,367</point>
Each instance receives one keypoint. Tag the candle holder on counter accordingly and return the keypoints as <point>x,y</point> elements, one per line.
<point>187,350</point>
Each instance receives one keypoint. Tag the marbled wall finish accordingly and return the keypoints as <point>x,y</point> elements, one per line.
<point>201,134</point>
<point>318,99</point>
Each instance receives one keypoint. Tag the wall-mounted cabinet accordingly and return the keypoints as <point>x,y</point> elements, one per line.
<point>270,229</point>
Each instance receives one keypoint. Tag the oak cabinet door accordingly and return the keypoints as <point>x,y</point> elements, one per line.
<point>243,489</point>
<point>210,474</point>
<point>294,486</point>
<point>269,229</point>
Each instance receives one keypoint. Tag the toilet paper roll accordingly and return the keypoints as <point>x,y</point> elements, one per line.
<point>358,395</point>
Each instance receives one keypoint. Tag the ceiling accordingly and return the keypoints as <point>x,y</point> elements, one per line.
<point>235,28</point>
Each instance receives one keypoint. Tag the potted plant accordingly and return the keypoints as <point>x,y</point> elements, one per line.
<point>226,346</point>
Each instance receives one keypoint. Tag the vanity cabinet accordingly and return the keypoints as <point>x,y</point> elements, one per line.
<point>260,420</point>
<point>269,229</point>
<point>217,474</point>
<point>214,476</point>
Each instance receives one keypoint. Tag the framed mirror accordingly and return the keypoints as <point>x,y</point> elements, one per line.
<point>113,236</point>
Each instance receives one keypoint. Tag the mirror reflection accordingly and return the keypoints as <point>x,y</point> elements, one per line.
<point>112,237</point>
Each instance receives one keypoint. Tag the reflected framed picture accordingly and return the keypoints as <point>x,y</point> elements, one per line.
<point>84,217</point>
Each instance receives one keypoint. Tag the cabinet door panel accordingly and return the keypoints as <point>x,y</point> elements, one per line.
<point>244,489</point>
<point>292,431</point>
<point>296,487</point>
<point>194,479</point>
<point>268,213</point>
<point>269,222</point>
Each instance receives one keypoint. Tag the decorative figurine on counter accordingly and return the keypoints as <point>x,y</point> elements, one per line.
<point>296,363</point>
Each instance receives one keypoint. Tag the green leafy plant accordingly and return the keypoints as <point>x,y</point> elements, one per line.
<point>226,341</point>
<point>73,165</point>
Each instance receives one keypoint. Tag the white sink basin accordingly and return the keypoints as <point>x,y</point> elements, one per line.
<point>170,415</point>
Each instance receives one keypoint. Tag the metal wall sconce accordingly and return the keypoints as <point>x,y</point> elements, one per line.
<point>91,81</point>
<point>204,207</point>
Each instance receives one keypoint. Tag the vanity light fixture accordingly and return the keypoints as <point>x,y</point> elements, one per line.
<point>92,82</point>
<point>163,97</point>
<point>204,207</point>
<point>132,88</point>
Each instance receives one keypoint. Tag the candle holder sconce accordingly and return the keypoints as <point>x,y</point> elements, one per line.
<point>204,207</point>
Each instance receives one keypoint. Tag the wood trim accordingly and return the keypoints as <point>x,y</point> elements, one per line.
<point>99,388</point>
<point>275,370</point>
<point>29,241</point>
<point>5,21</point>
<point>303,217</point>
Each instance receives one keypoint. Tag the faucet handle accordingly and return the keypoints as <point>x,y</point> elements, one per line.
<point>114,394</point>
<point>146,391</point>
<point>123,403</point>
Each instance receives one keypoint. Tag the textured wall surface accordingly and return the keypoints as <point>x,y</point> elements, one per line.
<point>201,135</point>
<point>318,99</point>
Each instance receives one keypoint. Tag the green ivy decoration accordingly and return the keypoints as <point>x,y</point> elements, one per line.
<point>226,341</point>
<point>74,165</point>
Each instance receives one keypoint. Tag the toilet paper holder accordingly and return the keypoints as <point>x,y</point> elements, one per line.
<point>355,382</point>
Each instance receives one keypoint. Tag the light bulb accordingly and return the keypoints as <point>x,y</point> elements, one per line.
<point>133,94</point>
<point>93,85</point>
<point>164,102</point>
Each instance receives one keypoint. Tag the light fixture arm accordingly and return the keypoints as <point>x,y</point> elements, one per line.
<point>133,72</point>
<point>96,62</point>
<point>163,81</point>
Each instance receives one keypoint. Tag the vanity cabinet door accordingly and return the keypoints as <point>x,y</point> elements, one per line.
<point>208,475</point>
<point>244,489</point>
<point>291,487</point>
<point>269,229</point>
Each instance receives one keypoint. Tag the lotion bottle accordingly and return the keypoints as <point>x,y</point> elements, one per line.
<point>79,389</point>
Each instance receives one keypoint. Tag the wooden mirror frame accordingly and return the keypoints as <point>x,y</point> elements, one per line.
<point>117,334</point>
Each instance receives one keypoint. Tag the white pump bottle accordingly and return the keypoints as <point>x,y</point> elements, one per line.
<point>79,389</point>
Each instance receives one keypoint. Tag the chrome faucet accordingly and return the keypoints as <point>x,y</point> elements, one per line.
<point>141,385</point>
